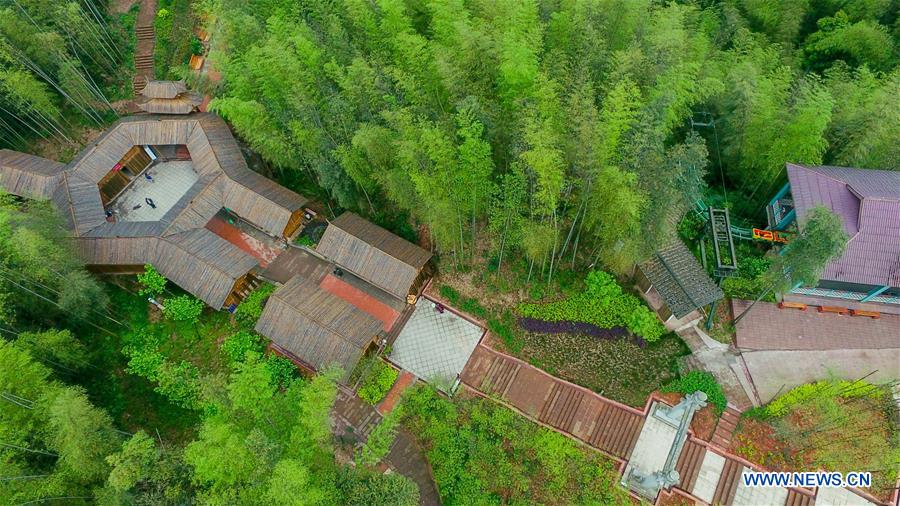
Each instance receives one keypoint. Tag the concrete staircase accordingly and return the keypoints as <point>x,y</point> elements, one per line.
<point>689,463</point>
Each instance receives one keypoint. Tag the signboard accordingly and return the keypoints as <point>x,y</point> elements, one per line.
<point>770,235</point>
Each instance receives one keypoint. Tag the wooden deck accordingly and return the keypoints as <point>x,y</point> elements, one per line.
<point>585,415</point>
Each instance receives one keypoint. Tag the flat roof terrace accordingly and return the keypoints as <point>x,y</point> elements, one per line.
<point>162,183</point>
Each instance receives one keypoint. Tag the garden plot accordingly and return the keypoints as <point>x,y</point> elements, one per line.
<point>435,346</point>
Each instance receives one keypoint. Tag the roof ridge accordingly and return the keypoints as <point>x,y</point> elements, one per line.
<point>182,248</point>
<point>316,320</point>
<point>188,206</point>
<point>382,228</point>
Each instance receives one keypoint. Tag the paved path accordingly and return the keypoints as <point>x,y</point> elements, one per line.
<point>709,473</point>
<point>353,420</point>
<point>146,42</point>
<point>602,423</point>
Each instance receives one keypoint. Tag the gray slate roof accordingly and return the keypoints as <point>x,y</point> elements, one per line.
<point>868,203</point>
<point>680,279</point>
<point>372,253</point>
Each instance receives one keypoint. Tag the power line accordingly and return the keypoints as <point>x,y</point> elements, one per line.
<point>60,307</point>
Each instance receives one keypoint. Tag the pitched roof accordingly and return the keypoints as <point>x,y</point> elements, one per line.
<point>184,103</point>
<point>868,203</point>
<point>163,89</point>
<point>680,279</point>
<point>316,326</point>
<point>372,253</point>
<point>177,244</point>
<point>27,175</point>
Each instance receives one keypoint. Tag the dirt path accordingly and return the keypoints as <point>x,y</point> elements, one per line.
<point>146,42</point>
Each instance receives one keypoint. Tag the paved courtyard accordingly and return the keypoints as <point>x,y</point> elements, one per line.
<point>171,180</point>
<point>435,346</point>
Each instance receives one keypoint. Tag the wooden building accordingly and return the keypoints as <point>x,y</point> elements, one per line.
<point>315,327</point>
<point>201,262</point>
<point>383,259</point>
<point>169,97</point>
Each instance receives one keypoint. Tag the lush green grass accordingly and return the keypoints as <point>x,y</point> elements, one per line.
<point>482,453</point>
<point>618,369</point>
<point>174,25</point>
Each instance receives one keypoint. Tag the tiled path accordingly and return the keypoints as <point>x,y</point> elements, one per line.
<point>353,419</point>
<point>404,381</point>
<point>768,328</point>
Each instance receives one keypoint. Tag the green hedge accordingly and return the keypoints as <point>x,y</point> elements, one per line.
<point>379,380</point>
<point>602,303</point>
<point>702,381</point>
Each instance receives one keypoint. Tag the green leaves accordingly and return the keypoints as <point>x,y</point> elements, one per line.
<point>152,282</point>
<point>377,382</point>
<point>821,239</point>
<point>699,381</point>
<point>183,308</point>
<point>603,304</point>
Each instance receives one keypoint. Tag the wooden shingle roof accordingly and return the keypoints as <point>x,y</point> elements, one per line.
<point>372,253</point>
<point>680,279</point>
<point>185,103</point>
<point>29,176</point>
<point>164,89</point>
<point>316,326</point>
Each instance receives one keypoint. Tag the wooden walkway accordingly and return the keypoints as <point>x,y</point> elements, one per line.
<point>146,43</point>
<point>353,420</point>
<point>574,410</point>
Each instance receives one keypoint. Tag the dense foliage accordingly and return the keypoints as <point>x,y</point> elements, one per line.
<point>377,381</point>
<point>152,282</point>
<point>41,277</point>
<point>564,131</point>
<point>59,61</point>
<point>602,303</point>
<point>832,425</point>
<point>251,308</point>
<point>482,453</point>
<point>183,308</point>
<point>701,381</point>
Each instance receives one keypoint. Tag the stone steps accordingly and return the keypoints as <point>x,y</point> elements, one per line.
<point>728,482</point>
<point>500,376</point>
<point>725,428</point>
<point>560,406</point>
<point>616,430</point>
<point>689,463</point>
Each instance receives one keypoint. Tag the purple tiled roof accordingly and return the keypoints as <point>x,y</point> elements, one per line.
<point>868,202</point>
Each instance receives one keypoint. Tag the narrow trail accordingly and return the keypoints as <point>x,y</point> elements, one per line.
<point>146,42</point>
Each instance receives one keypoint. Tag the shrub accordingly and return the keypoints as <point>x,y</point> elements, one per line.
<point>378,381</point>
<point>567,327</point>
<point>152,282</point>
<point>282,370</point>
<point>237,345</point>
<point>252,307</point>
<point>602,304</point>
<point>821,389</point>
<point>699,380</point>
<point>183,308</point>
<point>180,383</point>
<point>450,294</point>
<point>503,329</point>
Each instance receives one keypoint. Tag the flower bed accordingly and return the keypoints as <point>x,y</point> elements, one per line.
<point>569,327</point>
<point>604,305</point>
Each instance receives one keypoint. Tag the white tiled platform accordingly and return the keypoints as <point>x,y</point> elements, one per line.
<point>171,180</point>
<point>435,346</point>
<point>840,497</point>
<point>710,472</point>
<point>652,447</point>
